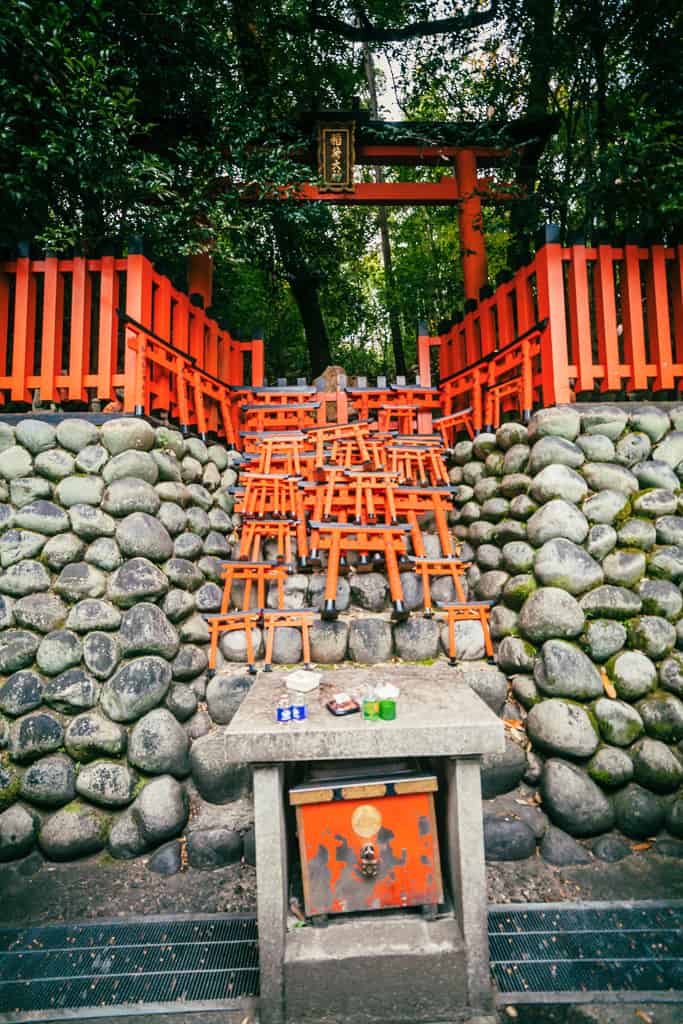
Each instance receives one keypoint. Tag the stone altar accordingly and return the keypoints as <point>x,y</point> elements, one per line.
<point>393,966</point>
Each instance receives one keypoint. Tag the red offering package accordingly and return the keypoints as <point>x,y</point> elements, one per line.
<point>342,704</point>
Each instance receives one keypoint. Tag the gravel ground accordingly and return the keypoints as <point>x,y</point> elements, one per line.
<point>34,890</point>
<point>38,891</point>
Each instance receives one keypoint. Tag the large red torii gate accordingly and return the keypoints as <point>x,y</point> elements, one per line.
<point>342,140</point>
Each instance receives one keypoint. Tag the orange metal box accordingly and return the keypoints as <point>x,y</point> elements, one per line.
<point>368,843</point>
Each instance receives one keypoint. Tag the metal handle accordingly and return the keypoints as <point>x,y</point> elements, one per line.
<point>369,861</point>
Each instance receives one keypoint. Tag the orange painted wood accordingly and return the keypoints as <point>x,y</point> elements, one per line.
<point>554,355</point>
<point>24,319</point>
<point>4,326</point>
<point>79,343</point>
<point>471,346</point>
<point>51,340</point>
<point>524,300</point>
<point>606,319</point>
<point>159,381</point>
<point>432,193</point>
<point>411,875</point>
<point>487,326</point>
<point>505,320</point>
<point>580,319</point>
<point>658,318</point>
<point>139,307</point>
<point>197,330</point>
<point>635,353</point>
<point>676,298</point>
<point>180,323</point>
<point>424,359</point>
<point>472,241</point>
<point>257,362</point>
<point>106,343</point>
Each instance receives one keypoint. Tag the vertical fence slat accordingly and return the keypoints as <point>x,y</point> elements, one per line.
<point>554,361</point>
<point>580,319</point>
<point>606,319</point>
<point>632,319</point>
<point>487,327</point>
<point>224,349</point>
<point>51,335</point>
<point>181,324</point>
<point>472,352</point>
<point>197,336</point>
<point>524,298</point>
<point>424,366</point>
<point>506,324</point>
<point>4,325</point>
<point>658,318</point>
<point>106,352</point>
<point>24,318</point>
<point>257,362</point>
<point>162,326</point>
<point>139,307</point>
<point>80,329</point>
<point>676,298</point>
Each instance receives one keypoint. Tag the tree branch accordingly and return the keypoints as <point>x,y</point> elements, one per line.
<point>367,33</point>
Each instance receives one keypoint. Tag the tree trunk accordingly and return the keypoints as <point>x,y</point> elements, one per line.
<point>303,283</point>
<point>598,45</point>
<point>304,288</point>
<point>540,16</point>
<point>383,223</point>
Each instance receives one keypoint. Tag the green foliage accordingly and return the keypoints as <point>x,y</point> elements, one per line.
<point>120,118</point>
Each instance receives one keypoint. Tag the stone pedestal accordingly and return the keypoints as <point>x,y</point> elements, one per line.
<point>389,967</point>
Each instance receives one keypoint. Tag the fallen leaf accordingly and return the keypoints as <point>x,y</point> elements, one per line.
<point>646,1017</point>
<point>608,685</point>
<point>641,846</point>
<point>514,723</point>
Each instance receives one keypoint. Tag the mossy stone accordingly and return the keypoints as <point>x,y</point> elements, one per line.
<point>517,589</point>
<point>618,722</point>
<point>610,767</point>
<point>662,714</point>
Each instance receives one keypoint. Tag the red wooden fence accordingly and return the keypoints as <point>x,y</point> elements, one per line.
<point>61,333</point>
<point>614,322</point>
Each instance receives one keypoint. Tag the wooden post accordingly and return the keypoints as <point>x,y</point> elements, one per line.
<point>257,361</point>
<point>472,241</point>
<point>580,319</point>
<point>109,301</point>
<point>139,307</point>
<point>51,340</point>
<point>24,323</point>
<point>554,355</point>
<point>658,319</point>
<point>635,353</point>
<point>81,297</point>
<point>606,319</point>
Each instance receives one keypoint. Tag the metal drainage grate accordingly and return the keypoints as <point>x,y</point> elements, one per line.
<point>210,960</point>
<point>581,952</point>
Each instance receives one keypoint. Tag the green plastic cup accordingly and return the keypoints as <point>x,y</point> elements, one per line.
<point>387,710</point>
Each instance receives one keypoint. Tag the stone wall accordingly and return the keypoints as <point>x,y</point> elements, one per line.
<point>575,528</point>
<point>111,542</point>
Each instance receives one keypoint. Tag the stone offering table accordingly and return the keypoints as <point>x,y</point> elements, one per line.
<point>372,968</point>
